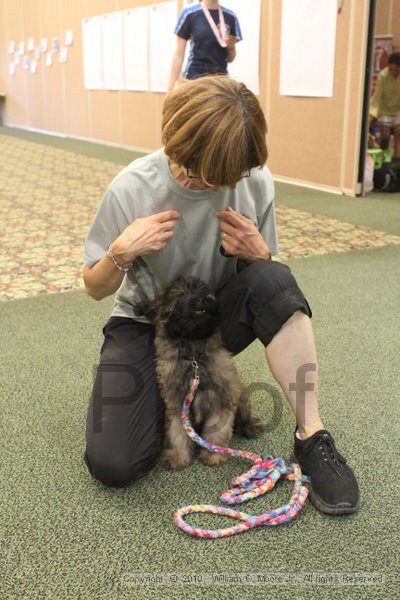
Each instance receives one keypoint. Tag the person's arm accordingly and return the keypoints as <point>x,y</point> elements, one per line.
<point>234,37</point>
<point>376,99</point>
<point>144,236</point>
<point>103,278</point>
<point>177,62</point>
<point>231,48</point>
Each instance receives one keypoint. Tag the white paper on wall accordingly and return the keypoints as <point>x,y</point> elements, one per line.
<point>69,37</point>
<point>136,55</point>
<point>245,67</point>
<point>21,48</point>
<point>17,58</point>
<point>30,44</point>
<point>63,57</point>
<point>11,69</point>
<point>33,68</point>
<point>11,47</point>
<point>162,43</point>
<point>308,37</point>
<point>113,50</point>
<point>49,59</point>
<point>92,53</point>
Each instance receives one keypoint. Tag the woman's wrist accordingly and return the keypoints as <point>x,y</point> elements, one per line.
<point>262,256</point>
<point>121,259</point>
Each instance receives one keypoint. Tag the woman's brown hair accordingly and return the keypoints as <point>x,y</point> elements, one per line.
<point>215,127</point>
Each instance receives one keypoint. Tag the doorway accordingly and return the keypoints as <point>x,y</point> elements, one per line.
<point>376,154</point>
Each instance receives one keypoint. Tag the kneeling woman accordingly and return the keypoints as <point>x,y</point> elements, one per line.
<point>202,205</point>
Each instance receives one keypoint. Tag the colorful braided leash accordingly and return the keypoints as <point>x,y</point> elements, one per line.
<point>258,480</point>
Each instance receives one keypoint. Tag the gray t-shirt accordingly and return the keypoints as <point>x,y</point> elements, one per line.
<point>146,187</point>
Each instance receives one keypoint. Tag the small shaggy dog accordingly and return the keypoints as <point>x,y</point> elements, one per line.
<point>186,319</point>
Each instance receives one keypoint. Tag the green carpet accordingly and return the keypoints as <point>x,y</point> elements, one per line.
<point>103,151</point>
<point>67,536</point>
<point>375,210</point>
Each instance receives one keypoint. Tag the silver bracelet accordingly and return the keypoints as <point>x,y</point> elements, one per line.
<point>120,267</point>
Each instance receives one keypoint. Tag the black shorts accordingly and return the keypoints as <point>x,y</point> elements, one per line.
<point>125,415</point>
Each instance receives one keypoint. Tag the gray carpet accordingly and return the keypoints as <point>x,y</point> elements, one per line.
<point>66,536</point>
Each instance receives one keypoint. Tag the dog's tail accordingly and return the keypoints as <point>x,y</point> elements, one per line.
<point>246,424</point>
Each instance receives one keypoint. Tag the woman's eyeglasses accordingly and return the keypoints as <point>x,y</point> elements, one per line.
<point>188,174</point>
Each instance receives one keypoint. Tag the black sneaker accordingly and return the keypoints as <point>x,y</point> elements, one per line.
<point>333,486</point>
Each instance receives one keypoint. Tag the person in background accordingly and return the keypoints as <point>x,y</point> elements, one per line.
<point>213,32</point>
<point>385,104</point>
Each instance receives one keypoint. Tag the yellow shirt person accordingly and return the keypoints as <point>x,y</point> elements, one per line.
<point>385,104</point>
<point>386,99</point>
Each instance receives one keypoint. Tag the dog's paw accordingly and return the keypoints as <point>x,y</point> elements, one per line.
<point>250,429</point>
<point>171,459</point>
<point>212,459</point>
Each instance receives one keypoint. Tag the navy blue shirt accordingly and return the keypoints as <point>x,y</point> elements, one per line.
<point>206,55</point>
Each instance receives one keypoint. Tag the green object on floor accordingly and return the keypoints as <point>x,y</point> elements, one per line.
<point>377,156</point>
<point>380,156</point>
<point>387,155</point>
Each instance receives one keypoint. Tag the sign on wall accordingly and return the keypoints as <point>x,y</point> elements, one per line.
<point>162,43</point>
<point>113,51</point>
<point>308,39</point>
<point>92,53</point>
<point>131,49</point>
<point>136,35</point>
<point>245,67</point>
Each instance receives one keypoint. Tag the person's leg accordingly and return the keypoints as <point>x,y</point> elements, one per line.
<point>292,359</point>
<point>397,142</point>
<point>385,137</point>
<point>264,301</point>
<point>286,334</point>
<point>125,415</point>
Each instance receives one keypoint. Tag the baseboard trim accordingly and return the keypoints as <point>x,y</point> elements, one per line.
<point>309,184</point>
<point>113,145</point>
<point>82,138</point>
<point>34,130</point>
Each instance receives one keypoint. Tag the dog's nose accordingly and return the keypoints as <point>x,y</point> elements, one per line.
<point>199,304</point>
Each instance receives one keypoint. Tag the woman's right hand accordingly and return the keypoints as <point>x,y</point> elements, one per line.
<point>145,235</point>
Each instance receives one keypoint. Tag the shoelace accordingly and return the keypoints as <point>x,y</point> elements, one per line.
<point>326,445</point>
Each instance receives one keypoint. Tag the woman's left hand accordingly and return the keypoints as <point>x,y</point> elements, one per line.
<point>231,41</point>
<point>240,237</point>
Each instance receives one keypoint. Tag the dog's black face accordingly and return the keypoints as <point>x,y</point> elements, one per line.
<point>187,309</point>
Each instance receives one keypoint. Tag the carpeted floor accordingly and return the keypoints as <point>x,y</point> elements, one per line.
<point>50,195</point>
<point>66,536</point>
